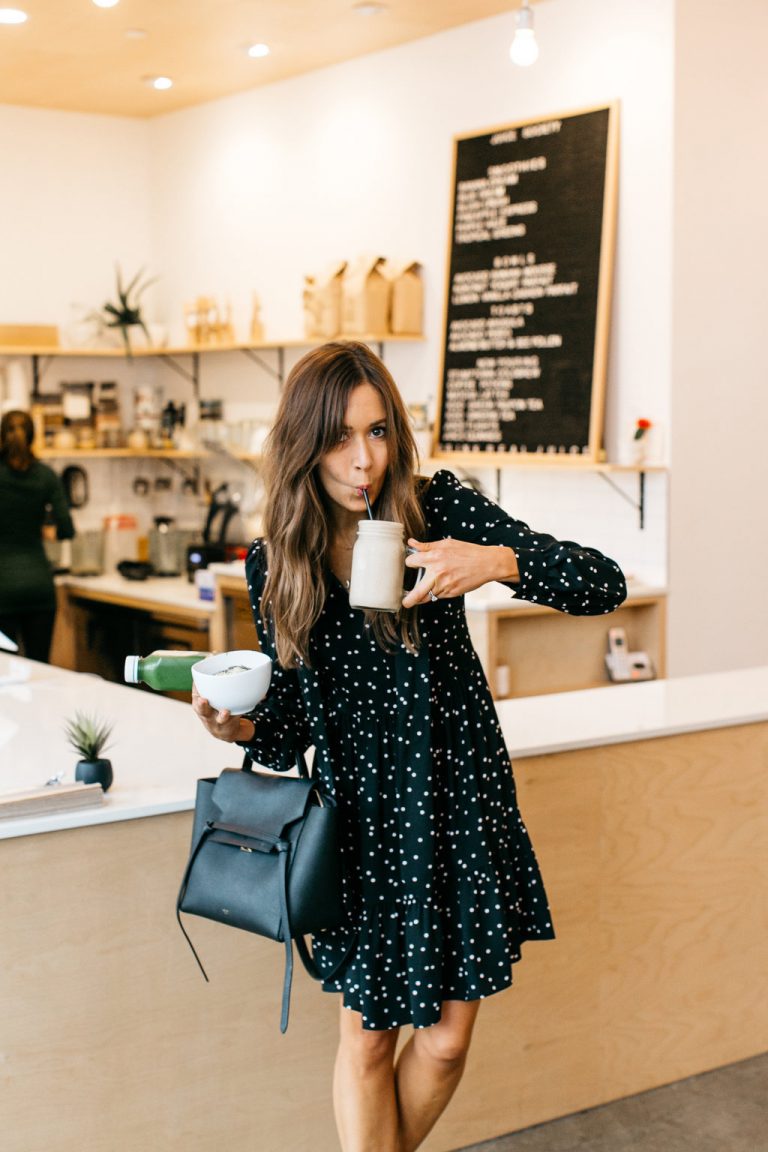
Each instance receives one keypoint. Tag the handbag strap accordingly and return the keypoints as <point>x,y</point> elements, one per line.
<point>301,763</point>
<point>282,847</point>
<point>308,960</point>
<point>183,891</point>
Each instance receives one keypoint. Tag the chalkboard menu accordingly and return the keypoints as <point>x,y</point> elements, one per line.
<point>528,299</point>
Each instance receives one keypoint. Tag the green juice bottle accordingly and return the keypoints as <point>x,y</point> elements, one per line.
<point>163,671</point>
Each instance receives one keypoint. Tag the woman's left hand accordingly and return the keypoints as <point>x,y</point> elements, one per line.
<point>454,567</point>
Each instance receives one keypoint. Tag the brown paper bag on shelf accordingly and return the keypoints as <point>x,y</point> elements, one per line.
<point>29,335</point>
<point>406,315</point>
<point>365,296</point>
<point>322,302</point>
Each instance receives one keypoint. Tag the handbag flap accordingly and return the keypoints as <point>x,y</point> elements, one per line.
<point>253,799</point>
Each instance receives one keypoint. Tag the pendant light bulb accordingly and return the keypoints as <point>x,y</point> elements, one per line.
<point>524,50</point>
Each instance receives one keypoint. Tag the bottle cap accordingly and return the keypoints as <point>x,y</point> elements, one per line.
<point>131,672</point>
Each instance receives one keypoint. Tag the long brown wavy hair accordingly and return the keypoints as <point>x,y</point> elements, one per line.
<point>16,435</point>
<point>309,423</point>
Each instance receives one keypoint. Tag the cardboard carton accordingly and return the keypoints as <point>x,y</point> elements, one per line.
<point>365,298</point>
<point>407,306</point>
<point>29,335</point>
<point>322,302</point>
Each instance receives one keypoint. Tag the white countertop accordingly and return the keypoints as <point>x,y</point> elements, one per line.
<point>177,591</point>
<point>491,597</point>
<point>173,591</point>
<point>620,713</point>
<point>159,749</point>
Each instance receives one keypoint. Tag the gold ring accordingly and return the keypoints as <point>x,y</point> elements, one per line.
<point>432,595</point>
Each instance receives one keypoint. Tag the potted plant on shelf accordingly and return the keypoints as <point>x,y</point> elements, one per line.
<point>125,314</point>
<point>641,440</point>
<point>89,736</point>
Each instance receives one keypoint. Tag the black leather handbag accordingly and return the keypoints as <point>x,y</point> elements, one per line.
<point>264,858</point>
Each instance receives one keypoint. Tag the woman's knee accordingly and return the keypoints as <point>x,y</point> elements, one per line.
<point>448,1041</point>
<point>368,1049</point>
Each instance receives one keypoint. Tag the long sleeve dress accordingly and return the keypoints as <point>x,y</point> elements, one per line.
<point>440,882</point>
<point>26,579</point>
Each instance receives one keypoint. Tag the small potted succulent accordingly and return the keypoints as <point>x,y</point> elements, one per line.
<point>89,737</point>
<point>125,313</point>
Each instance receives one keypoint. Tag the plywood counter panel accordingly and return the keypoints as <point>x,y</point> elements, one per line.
<point>654,853</point>
<point>112,1040</point>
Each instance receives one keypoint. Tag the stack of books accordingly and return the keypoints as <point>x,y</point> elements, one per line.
<point>55,798</point>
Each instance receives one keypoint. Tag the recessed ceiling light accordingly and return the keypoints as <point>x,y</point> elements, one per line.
<point>12,16</point>
<point>106,3</point>
<point>257,50</point>
<point>158,82</point>
<point>368,8</point>
<point>136,33</point>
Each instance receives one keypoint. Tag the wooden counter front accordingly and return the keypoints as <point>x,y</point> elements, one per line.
<point>653,852</point>
<point>99,620</point>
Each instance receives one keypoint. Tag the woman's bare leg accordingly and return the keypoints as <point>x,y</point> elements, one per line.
<point>380,1108</point>
<point>428,1072</point>
<point>364,1087</point>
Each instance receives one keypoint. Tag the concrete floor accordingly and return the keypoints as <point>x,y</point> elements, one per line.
<point>721,1111</point>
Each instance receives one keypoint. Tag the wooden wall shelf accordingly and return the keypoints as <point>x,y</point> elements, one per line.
<point>534,461</point>
<point>175,355</point>
<point>193,349</point>
<point>120,454</point>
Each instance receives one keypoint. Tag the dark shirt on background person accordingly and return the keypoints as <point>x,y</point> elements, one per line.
<point>31,495</point>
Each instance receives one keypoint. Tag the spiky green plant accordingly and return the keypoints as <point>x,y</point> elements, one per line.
<point>127,310</point>
<point>88,735</point>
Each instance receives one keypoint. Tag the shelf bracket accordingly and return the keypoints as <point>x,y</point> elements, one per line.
<point>277,374</point>
<point>639,504</point>
<point>192,377</point>
<point>191,476</point>
<point>221,450</point>
<point>37,373</point>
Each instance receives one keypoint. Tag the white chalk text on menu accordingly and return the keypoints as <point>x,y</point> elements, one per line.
<point>529,286</point>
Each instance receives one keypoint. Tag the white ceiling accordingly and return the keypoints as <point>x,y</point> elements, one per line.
<point>74,56</point>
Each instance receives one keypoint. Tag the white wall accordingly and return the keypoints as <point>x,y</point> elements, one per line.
<point>74,198</point>
<point>718,521</point>
<point>252,192</point>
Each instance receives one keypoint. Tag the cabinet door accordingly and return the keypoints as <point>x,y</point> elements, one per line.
<point>232,626</point>
<point>240,629</point>
<point>543,651</point>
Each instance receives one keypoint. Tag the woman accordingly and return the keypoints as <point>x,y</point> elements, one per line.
<point>441,885</point>
<point>31,496</point>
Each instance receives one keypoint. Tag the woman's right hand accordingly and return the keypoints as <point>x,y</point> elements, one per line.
<point>221,724</point>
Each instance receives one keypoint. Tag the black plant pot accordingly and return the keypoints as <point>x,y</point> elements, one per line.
<point>95,772</point>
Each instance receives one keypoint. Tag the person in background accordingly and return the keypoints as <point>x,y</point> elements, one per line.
<point>440,882</point>
<point>32,501</point>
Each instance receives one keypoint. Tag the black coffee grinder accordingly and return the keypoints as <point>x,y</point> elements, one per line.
<point>212,549</point>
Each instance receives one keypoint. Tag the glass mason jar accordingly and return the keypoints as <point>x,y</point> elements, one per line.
<point>378,562</point>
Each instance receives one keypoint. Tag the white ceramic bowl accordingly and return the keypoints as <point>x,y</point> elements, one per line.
<point>238,691</point>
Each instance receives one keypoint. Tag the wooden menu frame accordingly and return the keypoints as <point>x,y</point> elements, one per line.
<point>528,292</point>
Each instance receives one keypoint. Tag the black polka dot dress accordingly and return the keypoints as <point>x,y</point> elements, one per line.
<point>441,885</point>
